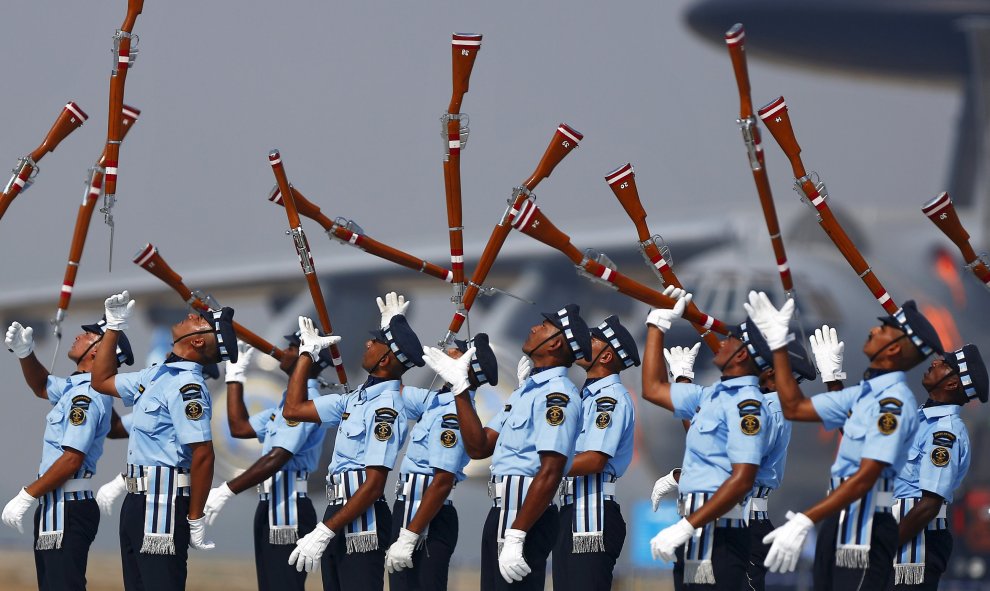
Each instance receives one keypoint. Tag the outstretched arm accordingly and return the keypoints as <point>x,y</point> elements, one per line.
<point>479,441</point>
<point>298,406</point>
<point>656,385</point>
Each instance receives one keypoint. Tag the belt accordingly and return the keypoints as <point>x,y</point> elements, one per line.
<point>139,484</point>
<point>404,487</point>
<point>883,489</point>
<point>265,487</point>
<point>759,504</point>
<point>567,488</point>
<point>78,485</point>
<point>736,512</point>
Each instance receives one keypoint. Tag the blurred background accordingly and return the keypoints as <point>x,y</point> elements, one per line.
<point>887,100</point>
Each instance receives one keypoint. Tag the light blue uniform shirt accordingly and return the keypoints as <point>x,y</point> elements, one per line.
<point>301,439</point>
<point>609,420</point>
<point>372,427</point>
<point>435,440</point>
<point>728,426</point>
<point>938,458</point>
<point>79,419</point>
<point>772,466</point>
<point>172,409</point>
<point>543,415</point>
<point>878,422</point>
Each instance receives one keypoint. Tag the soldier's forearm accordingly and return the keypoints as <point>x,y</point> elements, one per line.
<point>201,477</point>
<point>266,466</point>
<point>918,518</point>
<point>433,500</point>
<point>35,375</point>
<point>62,470</point>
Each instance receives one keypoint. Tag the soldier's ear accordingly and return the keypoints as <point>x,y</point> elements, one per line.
<point>607,356</point>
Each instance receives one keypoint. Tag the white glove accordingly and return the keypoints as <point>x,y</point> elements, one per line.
<point>665,486</point>
<point>787,541</point>
<point>773,323</point>
<point>662,318</point>
<point>523,369</point>
<point>511,563</point>
<point>236,370</point>
<point>453,371</point>
<point>19,340</point>
<point>399,555</point>
<point>14,512</point>
<point>197,534</point>
<point>310,341</point>
<point>670,539</point>
<point>310,548</point>
<point>394,305</point>
<point>828,349</point>
<point>118,309</point>
<point>215,501</point>
<point>680,361</point>
<point>108,494</point>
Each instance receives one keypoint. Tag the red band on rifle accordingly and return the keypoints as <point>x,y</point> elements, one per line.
<point>619,173</point>
<point>145,255</point>
<point>521,218</point>
<point>570,132</point>
<point>466,39</point>
<point>937,204</point>
<point>110,171</point>
<point>735,35</point>
<point>770,109</point>
<point>130,112</point>
<point>75,110</point>
<point>274,157</point>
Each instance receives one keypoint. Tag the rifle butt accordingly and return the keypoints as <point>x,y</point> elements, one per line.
<point>464,49</point>
<point>257,342</point>
<point>149,259</point>
<point>70,119</point>
<point>564,140</point>
<point>735,41</point>
<point>622,181</point>
<point>777,119</point>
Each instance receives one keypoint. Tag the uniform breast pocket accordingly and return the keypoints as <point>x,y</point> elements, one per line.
<point>518,431</point>
<point>147,416</point>
<point>704,435</point>
<point>419,433</point>
<point>352,444</point>
<point>853,437</point>
<point>55,416</point>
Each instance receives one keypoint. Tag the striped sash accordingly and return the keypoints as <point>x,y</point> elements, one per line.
<point>410,489</point>
<point>161,489</point>
<point>852,545</point>
<point>51,528</point>
<point>588,493</point>
<point>286,487</point>
<point>360,535</point>
<point>509,492</point>
<point>909,562</point>
<point>698,567</point>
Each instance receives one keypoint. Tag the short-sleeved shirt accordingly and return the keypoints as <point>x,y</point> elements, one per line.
<point>608,423</point>
<point>172,410</point>
<point>371,425</point>
<point>772,466</point>
<point>728,426</point>
<point>301,439</point>
<point>878,422</point>
<point>938,459</point>
<point>542,415</point>
<point>259,421</point>
<point>79,420</point>
<point>435,440</point>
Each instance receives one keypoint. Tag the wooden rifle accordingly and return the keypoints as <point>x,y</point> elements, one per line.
<point>942,213</point>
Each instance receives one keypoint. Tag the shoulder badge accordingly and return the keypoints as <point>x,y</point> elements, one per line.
<point>448,438</point>
<point>77,416</point>
<point>555,415</point>
<point>940,456</point>
<point>749,406</point>
<point>383,431</point>
<point>891,406</point>
<point>385,415</point>
<point>750,424</point>
<point>605,404</point>
<point>194,410</point>
<point>449,421</point>
<point>507,408</point>
<point>887,423</point>
<point>191,392</point>
<point>81,401</point>
<point>944,438</point>
<point>557,399</point>
<point>603,420</point>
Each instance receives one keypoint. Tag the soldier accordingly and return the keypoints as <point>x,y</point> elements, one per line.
<point>425,526</point>
<point>66,521</point>
<point>592,530</point>
<point>351,540</point>
<point>170,449</point>
<point>531,443</point>
<point>290,454</point>
<point>937,463</point>
<point>680,360</point>
<point>724,448</point>
<point>858,537</point>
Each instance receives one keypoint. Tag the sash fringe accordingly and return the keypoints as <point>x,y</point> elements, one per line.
<point>588,542</point>
<point>49,541</point>
<point>362,542</point>
<point>283,535</point>
<point>853,556</point>
<point>909,574</point>
<point>158,544</point>
<point>699,572</point>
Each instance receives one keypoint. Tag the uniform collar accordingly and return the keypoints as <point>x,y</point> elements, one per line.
<point>80,377</point>
<point>375,386</point>
<point>545,374</point>
<point>885,380</point>
<point>600,384</point>
<point>739,382</point>
<point>173,361</point>
<point>942,410</point>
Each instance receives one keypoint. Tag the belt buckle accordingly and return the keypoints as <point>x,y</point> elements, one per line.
<point>491,489</point>
<point>331,493</point>
<point>131,484</point>
<point>680,506</point>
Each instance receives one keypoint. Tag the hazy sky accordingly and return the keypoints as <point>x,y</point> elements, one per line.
<point>351,92</point>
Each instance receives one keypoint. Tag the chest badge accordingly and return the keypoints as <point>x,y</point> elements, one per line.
<point>555,416</point>
<point>448,438</point>
<point>289,423</point>
<point>383,431</point>
<point>750,424</point>
<point>887,423</point>
<point>77,416</point>
<point>194,410</point>
<point>940,457</point>
<point>603,420</point>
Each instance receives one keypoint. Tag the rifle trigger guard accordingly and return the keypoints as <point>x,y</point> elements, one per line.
<point>748,126</point>
<point>815,180</point>
<point>209,300</point>
<point>302,249</point>
<point>602,259</point>
<point>516,192</point>
<point>21,163</point>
